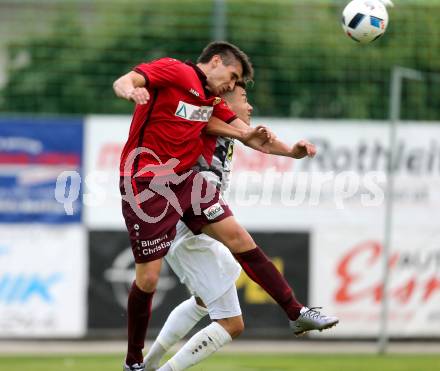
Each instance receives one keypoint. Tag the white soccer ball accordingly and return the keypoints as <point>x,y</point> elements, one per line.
<point>365,20</point>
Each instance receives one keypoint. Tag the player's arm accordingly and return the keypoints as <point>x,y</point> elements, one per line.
<point>131,86</point>
<point>252,137</point>
<point>301,149</point>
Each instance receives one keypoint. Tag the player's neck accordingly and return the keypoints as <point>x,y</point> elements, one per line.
<point>203,67</point>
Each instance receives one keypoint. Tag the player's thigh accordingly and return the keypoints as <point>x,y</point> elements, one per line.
<point>209,209</point>
<point>229,232</point>
<point>151,224</point>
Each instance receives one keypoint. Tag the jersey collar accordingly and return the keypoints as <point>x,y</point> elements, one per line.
<point>201,75</point>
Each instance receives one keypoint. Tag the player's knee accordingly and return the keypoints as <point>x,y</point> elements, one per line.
<point>239,240</point>
<point>237,328</point>
<point>147,275</point>
<point>147,281</point>
<point>234,326</point>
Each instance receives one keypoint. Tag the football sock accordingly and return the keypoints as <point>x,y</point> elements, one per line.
<point>154,355</point>
<point>200,346</point>
<point>261,270</point>
<point>166,367</point>
<point>138,315</point>
<point>180,321</point>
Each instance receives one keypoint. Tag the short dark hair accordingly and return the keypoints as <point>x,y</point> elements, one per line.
<point>228,53</point>
<point>241,84</point>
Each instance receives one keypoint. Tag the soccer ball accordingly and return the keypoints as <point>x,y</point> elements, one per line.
<point>365,20</point>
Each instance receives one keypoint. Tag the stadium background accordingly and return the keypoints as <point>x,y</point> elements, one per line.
<point>65,276</point>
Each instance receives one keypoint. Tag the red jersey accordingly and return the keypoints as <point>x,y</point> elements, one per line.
<point>170,124</point>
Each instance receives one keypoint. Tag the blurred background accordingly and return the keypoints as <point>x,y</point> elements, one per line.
<point>65,262</point>
<point>58,57</point>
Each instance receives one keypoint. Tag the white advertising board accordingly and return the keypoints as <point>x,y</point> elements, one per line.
<point>346,279</point>
<point>344,183</point>
<point>43,281</point>
<point>105,137</point>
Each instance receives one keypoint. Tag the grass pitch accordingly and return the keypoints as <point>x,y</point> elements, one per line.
<point>235,362</point>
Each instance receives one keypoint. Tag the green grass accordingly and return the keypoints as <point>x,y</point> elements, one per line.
<point>236,362</point>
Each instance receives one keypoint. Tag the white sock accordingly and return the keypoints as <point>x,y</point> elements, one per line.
<point>153,357</point>
<point>200,346</point>
<point>180,321</point>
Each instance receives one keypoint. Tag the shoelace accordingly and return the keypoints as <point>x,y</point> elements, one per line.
<point>312,313</point>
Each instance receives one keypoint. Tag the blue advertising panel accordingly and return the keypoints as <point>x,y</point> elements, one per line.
<point>40,170</point>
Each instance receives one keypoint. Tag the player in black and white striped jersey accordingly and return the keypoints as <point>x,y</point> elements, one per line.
<point>207,267</point>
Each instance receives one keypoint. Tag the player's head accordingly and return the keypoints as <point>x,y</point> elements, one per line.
<point>224,64</point>
<point>237,101</point>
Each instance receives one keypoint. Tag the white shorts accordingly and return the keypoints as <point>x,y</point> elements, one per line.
<point>226,306</point>
<point>203,264</point>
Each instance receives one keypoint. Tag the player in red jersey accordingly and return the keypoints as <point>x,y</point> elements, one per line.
<point>164,142</point>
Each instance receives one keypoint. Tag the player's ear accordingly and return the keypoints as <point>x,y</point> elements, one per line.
<point>215,60</point>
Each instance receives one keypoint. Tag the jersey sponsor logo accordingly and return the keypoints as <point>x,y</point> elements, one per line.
<point>194,92</point>
<point>149,243</point>
<point>230,151</point>
<point>150,251</point>
<point>214,211</point>
<point>217,100</point>
<point>193,113</point>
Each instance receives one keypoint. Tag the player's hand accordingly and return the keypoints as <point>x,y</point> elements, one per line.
<point>139,96</point>
<point>257,137</point>
<point>265,134</point>
<point>302,149</point>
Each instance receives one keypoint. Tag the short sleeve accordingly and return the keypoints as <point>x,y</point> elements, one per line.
<point>160,73</point>
<point>223,112</point>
